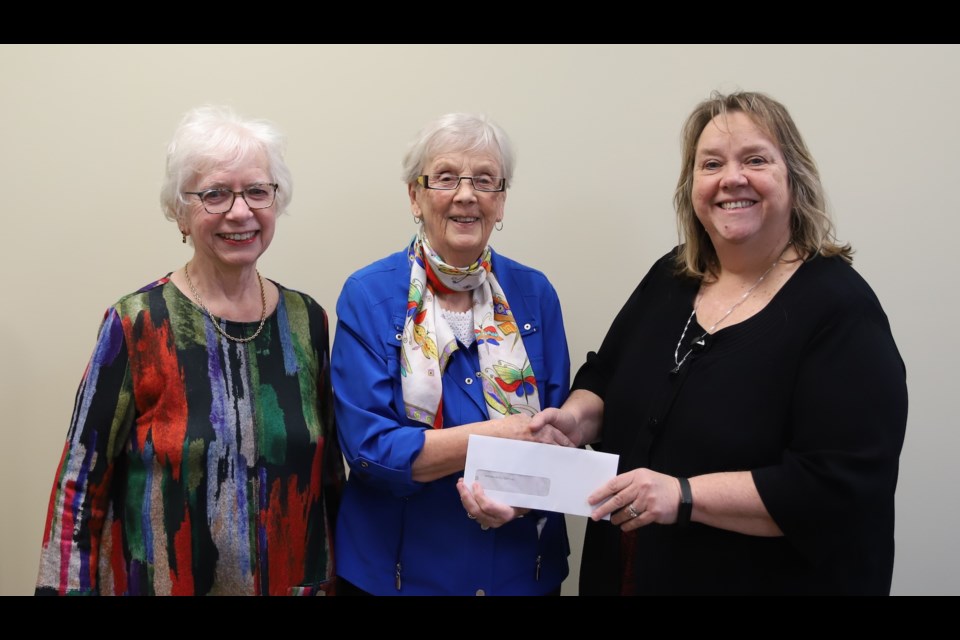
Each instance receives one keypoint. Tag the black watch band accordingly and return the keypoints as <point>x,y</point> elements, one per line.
<point>686,503</point>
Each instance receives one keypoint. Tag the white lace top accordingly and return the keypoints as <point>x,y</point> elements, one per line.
<point>461,323</point>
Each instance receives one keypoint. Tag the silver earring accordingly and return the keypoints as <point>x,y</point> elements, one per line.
<point>416,219</point>
<point>499,226</point>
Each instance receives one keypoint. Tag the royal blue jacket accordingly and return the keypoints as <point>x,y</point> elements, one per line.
<point>397,536</point>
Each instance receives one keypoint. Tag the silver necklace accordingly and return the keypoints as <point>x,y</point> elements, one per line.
<point>216,323</point>
<point>699,342</point>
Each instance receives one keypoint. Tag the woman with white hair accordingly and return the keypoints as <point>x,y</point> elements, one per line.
<point>201,456</point>
<point>444,339</point>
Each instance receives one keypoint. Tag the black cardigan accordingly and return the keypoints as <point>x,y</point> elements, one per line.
<point>809,394</point>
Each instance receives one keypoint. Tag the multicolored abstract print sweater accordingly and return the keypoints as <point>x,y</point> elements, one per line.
<point>196,465</point>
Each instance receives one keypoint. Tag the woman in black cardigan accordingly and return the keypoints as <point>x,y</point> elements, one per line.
<point>750,385</point>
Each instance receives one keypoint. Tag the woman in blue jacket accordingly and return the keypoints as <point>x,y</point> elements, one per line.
<point>438,341</point>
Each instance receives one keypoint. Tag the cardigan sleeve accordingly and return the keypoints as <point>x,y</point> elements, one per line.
<point>377,442</point>
<point>832,493</point>
<point>80,500</point>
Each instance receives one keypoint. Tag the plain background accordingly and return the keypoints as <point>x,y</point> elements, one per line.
<point>83,131</point>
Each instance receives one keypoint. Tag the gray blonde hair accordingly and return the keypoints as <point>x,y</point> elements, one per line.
<point>458,132</point>
<point>211,137</point>
<point>811,229</point>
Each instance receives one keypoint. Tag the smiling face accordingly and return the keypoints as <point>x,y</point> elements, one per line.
<point>458,223</point>
<point>236,239</point>
<point>740,190</point>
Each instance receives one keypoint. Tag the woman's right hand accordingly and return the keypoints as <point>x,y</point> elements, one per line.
<point>575,424</point>
<point>556,426</point>
<point>523,427</point>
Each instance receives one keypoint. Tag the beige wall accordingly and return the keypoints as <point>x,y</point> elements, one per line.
<point>83,130</point>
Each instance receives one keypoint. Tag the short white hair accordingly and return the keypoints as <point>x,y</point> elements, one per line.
<point>458,132</point>
<point>211,137</point>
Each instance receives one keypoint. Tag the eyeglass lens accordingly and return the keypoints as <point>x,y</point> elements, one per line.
<point>452,181</point>
<point>257,196</point>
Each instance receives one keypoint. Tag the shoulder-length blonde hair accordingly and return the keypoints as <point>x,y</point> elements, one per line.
<point>811,229</point>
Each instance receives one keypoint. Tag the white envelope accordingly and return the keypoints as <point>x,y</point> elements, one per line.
<point>537,476</point>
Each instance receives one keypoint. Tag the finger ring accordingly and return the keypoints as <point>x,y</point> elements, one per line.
<point>471,516</point>
<point>633,512</point>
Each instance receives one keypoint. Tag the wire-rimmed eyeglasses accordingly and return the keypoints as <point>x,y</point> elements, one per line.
<point>218,201</point>
<point>449,182</point>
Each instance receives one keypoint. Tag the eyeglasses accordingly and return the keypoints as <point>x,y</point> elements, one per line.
<point>449,182</point>
<point>217,201</point>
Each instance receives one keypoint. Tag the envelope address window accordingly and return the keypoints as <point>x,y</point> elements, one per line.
<point>513,482</point>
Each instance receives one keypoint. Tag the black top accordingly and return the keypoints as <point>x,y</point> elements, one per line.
<point>809,394</point>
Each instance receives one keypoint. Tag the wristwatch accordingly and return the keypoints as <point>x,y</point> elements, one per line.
<point>686,503</point>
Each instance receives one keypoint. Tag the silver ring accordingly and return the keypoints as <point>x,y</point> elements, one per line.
<point>471,516</point>
<point>633,512</point>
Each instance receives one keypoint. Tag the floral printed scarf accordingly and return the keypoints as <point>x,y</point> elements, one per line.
<point>428,341</point>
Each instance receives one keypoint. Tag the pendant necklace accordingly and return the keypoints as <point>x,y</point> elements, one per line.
<point>698,343</point>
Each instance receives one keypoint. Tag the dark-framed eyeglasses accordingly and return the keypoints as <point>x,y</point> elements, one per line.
<point>218,201</point>
<point>449,182</point>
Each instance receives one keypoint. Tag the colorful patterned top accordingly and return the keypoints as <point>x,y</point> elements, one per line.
<point>196,465</point>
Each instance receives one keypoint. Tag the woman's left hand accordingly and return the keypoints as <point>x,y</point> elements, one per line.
<point>487,512</point>
<point>637,498</point>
